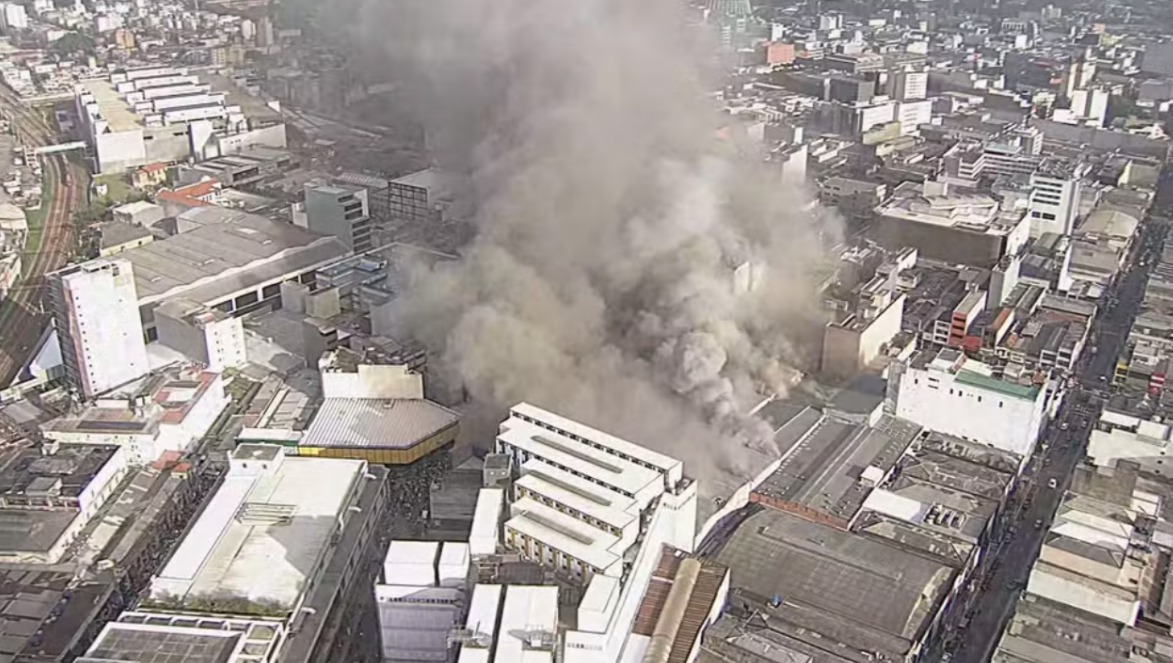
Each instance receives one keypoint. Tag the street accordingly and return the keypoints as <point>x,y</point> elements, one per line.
<point>974,627</point>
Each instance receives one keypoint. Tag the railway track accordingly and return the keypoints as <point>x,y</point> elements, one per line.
<point>21,318</point>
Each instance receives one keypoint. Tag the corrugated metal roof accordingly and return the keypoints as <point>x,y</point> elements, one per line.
<point>376,422</point>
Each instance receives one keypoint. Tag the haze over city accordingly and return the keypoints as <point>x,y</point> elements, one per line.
<point>606,332</point>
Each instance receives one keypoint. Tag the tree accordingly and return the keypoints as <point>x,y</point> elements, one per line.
<point>73,43</point>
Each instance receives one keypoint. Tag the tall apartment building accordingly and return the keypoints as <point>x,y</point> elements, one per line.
<point>95,310</point>
<point>342,211</point>
<point>13,17</point>
<point>1054,197</point>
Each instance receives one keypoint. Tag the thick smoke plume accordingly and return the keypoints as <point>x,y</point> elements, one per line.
<point>616,235</point>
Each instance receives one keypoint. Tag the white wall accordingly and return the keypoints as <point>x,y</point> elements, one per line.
<point>1080,595</point>
<point>414,622</point>
<point>373,381</point>
<point>120,151</point>
<point>933,399</point>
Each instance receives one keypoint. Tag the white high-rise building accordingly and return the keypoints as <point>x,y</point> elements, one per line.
<point>13,17</point>
<point>1054,197</point>
<point>95,309</point>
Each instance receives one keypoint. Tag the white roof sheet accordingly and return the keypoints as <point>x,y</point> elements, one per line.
<point>896,506</point>
<point>574,456</point>
<point>527,609</point>
<point>482,615</point>
<point>238,549</point>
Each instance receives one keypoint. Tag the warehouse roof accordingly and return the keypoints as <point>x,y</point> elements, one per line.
<point>851,589</point>
<point>236,251</point>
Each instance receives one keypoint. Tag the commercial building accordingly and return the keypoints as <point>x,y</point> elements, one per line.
<point>578,503</point>
<point>421,600</point>
<point>226,260</point>
<point>164,114</point>
<point>166,411</point>
<point>1158,59</point>
<point>949,393</point>
<point>95,312</point>
<point>341,211</point>
<point>272,551</point>
<point>950,226</point>
<point>833,591</point>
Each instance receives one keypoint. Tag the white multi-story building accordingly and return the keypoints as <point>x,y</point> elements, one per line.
<point>951,394</point>
<point>510,623</point>
<point>596,509</point>
<point>213,338</point>
<point>421,599</point>
<point>95,310</point>
<point>1054,197</point>
<point>912,114</point>
<point>13,17</point>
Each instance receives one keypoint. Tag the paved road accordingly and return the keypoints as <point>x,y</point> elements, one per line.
<point>975,626</point>
<point>21,320</point>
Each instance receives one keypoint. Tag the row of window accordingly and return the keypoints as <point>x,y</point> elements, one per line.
<point>523,492</point>
<point>588,442</point>
<point>543,554</point>
<point>520,456</point>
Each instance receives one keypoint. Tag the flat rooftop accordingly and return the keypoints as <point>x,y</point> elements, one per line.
<point>170,394</point>
<point>149,638</point>
<point>1041,632</point>
<point>527,610</point>
<point>112,107</point>
<point>846,588</point>
<point>226,257</point>
<point>261,538</point>
<point>377,423</point>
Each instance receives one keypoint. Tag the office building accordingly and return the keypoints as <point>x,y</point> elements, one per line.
<point>95,312</point>
<point>1054,197</point>
<point>910,85</point>
<point>342,211</point>
<point>948,393</point>
<point>13,17</point>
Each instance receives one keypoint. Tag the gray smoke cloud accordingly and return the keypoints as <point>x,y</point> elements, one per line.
<point>613,229</point>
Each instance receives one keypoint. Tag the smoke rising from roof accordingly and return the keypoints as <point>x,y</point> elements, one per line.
<point>616,236</point>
